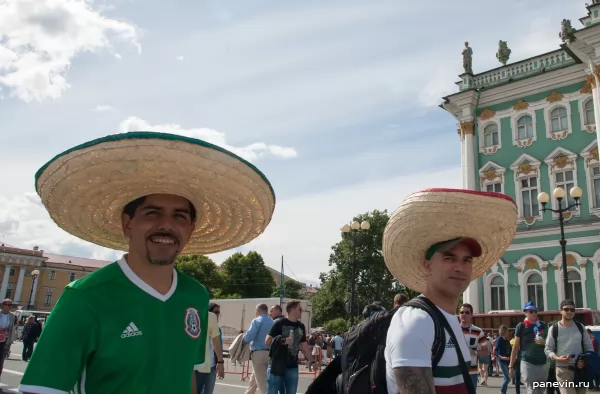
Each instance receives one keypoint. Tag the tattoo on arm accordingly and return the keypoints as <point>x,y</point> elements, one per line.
<point>414,380</point>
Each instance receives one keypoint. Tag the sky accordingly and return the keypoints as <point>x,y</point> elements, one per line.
<point>336,102</point>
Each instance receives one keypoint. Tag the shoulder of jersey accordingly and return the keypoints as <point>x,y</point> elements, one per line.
<point>96,278</point>
<point>475,328</point>
<point>186,280</point>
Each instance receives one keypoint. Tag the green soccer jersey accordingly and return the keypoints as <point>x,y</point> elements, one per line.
<point>111,333</point>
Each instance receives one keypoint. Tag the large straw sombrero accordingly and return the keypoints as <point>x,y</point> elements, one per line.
<point>432,216</point>
<point>86,188</point>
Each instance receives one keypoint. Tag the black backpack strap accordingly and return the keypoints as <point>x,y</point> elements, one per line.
<point>461,360</point>
<point>439,341</point>
<point>581,331</point>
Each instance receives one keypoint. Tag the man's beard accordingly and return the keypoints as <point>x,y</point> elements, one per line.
<point>154,261</point>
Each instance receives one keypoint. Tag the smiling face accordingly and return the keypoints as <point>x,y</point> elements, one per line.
<point>159,227</point>
<point>450,272</point>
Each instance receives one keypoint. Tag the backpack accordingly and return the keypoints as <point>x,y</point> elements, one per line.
<point>363,357</point>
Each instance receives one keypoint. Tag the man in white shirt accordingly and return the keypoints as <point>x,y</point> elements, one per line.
<point>436,243</point>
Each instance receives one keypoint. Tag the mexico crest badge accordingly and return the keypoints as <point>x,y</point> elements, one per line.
<point>192,323</point>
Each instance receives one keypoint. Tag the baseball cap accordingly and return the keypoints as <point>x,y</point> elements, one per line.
<point>445,246</point>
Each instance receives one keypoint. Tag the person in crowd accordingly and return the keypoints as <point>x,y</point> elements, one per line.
<point>502,352</point>
<point>400,299</point>
<point>476,340</point>
<point>338,341</point>
<point>29,337</point>
<point>213,366</point>
<point>564,351</point>
<point>259,352</point>
<point>530,339</point>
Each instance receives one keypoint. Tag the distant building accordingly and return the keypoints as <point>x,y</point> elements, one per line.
<point>56,271</point>
<point>529,127</point>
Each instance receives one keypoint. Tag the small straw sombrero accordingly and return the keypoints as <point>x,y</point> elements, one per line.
<point>431,216</point>
<point>86,188</point>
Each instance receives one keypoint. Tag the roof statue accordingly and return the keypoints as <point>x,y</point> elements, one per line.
<point>503,52</point>
<point>467,59</point>
<point>567,32</point>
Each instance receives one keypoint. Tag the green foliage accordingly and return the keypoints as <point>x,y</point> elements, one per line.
<point>292,289</point>
<point>336,325</point>
<point>203,269</point>
<point>247,276</point>
<point>373,281</point>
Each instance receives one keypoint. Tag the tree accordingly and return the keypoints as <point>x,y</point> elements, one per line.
<point>336,325</point>
<point>373,280</point>
<point>292,289</point>
<point>247,276</point>
<point>203,269</point>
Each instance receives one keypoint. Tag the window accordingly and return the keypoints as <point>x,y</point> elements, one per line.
<point>524,127</point>
<point>490,135</point>
<point>564,180</point>
<point>9,291</point>
<point>494,187</point>
<point>529,202</point>
<point>48,297</point>
<point>12,273</point>
<point>588,111</point>
<point>72,277</point>
<point>52,275</point>
<point>595,173</point>
<point>559,120</point>
<point>497,292</point>
<point>535,290</point>
<point>575,289</point>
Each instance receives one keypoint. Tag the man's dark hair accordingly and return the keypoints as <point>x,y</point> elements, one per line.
<point>132,207</point>
<point>567,302</point>
<point>292,305</point>
<point>371,309</point>
<point>262,308</point>
<point>465,305</point>
<point>277,308</point>
<point>400,299</point>
<point>212,306</point>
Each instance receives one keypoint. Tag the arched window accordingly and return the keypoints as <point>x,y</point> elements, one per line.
<point>535,290</point>
<point>524,127</point>
<point>575,289</point>
<point>588,109</point>
<point>497,292</point>
<point>490,135</point>
<point>559,120</point>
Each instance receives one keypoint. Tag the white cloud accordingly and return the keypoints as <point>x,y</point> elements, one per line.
<point>250,152</point>
<point>179,57</point>
<point>103,108</point>
<point>40,38</point>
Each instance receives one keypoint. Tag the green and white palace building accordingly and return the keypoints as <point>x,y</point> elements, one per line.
<point>529,127</point>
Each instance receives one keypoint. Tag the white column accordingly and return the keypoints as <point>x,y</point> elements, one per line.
<point>471,295</point>
<point>19,288</point>
<point>5,281</point>
<point>35,285</point>
<point>596,98</point>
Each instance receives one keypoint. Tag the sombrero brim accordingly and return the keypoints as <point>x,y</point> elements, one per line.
<point>435,215</point>
<point>86,188</point>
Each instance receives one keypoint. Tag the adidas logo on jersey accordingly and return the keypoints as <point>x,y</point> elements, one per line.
<point>131,331</point>
<point>450,343</point>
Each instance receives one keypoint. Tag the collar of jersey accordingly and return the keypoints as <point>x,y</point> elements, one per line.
<point>137,281</point>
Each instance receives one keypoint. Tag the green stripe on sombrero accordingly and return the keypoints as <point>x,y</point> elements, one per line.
<point>448,372</point>
<point>159,136</point>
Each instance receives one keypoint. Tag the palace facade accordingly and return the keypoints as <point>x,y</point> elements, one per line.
<point>529,127</point>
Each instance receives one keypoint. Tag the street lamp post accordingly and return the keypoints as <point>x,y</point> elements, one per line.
<point>353,230</point>
<point>560,194</point>
<point>34,276</point>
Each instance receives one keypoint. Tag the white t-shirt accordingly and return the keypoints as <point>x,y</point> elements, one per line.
<point>409,342</point>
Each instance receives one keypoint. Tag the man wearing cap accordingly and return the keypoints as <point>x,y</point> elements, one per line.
<point>530,340</point>
<point>139,325</point>
<point>436,243</point>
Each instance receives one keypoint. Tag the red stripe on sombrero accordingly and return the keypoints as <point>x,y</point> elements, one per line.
<point>465,191</point>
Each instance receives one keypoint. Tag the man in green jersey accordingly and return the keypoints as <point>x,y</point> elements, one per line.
<point>139,325</point>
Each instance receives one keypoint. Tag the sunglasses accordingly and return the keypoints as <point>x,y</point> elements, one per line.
<point>6,304</point>
<point>568,309</point>
<point>532,311</point>
<point>465,312</point>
